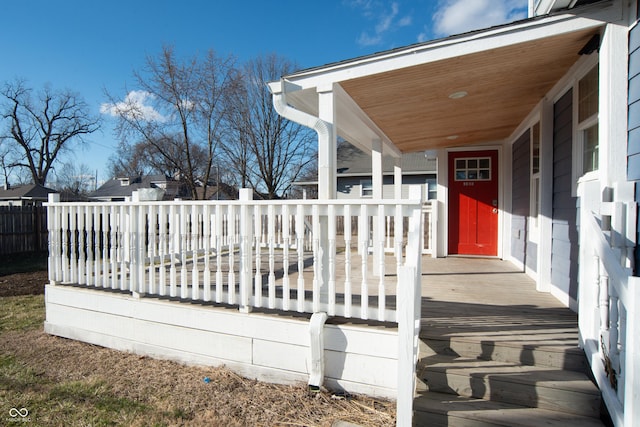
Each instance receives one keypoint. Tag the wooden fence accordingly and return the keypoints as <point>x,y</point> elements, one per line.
<point>23,229</point>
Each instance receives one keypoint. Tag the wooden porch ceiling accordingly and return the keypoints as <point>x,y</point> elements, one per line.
<point>413,108</point>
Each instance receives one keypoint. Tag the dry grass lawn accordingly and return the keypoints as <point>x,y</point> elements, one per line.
<point>67,383</point>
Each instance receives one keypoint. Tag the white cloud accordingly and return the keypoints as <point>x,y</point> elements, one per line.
<point>134,106</point>
<point>459,16</point>
<point>386,17</point>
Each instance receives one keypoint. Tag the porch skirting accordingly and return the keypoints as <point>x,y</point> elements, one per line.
<point>268,347</point>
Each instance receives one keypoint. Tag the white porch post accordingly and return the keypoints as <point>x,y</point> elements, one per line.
<point>326,181</point>
<point>327,145</point>
<point>397,178</point>
<point>443,200</point>
<point>546,197</point>
<point>612,123</point>
<point>376,184</point>
<point>376,168</point>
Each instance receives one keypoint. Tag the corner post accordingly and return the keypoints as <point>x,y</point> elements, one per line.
<point>53,225</point>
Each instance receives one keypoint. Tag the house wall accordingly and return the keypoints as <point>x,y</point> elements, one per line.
<point>633,148</point>
<point>349,187</point>
<point>358,359</point>
<point>564,240</point>
<point>522,249</point>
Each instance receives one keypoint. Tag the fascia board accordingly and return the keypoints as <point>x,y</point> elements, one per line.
<point>458,46</point>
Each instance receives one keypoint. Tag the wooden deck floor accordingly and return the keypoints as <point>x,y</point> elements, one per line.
<point>492,301</point>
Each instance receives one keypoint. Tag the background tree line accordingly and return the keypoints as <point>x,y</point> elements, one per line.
<point>202,120</point>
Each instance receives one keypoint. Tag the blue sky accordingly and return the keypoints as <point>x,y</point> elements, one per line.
<point>92,46</point>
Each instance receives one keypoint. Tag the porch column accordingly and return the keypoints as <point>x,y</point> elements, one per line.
<point>376,184</point>
<point>326,182</point>
<point>397,178</point>
<point>327,145</point>
<point>546,197</point>
<point>443,200</point>
<point>612,122</point>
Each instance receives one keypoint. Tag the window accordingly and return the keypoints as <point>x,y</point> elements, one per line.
<point>473,169</point>
<point>587,125</point>
<point>432,188</point>
<point>366,188</point>
<point>534,203</point>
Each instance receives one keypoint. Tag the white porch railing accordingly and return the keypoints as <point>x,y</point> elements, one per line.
<point>281,255</point>
<point>609,296</point>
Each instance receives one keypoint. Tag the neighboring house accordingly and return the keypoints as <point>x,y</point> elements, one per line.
<point>218,192</point>
<point>120,189</point>
<point>24,195</point>
<point>354,178</point>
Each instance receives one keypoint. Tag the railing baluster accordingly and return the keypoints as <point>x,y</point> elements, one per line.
<point>363,240</point>
<point>285,257</point>
<point>151,252</point>
<point>231,223</point>
<point>73,244</point>
<point>218,240</point>
<point>122,247</point>
<point>331,212</point>
<point>174,242</point>
<point>398,232</point>
<point>271,231</point>
<point>82,242</point>
<point>613,332</point>
<point>206,280</point>
<point>382,301</point>
<point>89,245</point>
<point>113,242</point>
<point>105,246</point>
<point>162,250</point>
<point>257,217</point>
<point>195,238</point>
<point>347,260</point>
<point>142,248</point>
<point>184,286</point>
<point>300,234</point>
<point>56,244</point>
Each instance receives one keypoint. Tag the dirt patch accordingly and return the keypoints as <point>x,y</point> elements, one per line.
<point>23,283</point>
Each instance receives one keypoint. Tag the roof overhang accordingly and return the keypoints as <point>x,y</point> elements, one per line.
<point>402,97</point>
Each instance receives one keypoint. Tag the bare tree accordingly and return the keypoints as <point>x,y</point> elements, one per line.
<point>42,128</point>
<point>268,151</point>
<point>129,161</point>
<point>75,178</point>
<point>179,115</point>
<point>6,160</point>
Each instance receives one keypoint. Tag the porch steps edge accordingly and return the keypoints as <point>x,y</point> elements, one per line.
<point>444,410</point>
<point>530,354</point>
<point>533,386</point>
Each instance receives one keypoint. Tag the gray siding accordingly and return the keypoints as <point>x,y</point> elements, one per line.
<point>348,187</point>
<point>633,148</point>
<point>564,246</point>
<point>520,197</point>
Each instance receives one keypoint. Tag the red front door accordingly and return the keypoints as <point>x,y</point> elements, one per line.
<point>473,203</point>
